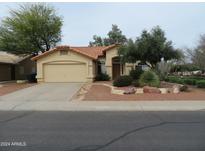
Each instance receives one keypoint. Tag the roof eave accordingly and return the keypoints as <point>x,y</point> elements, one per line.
<point>56,49</point>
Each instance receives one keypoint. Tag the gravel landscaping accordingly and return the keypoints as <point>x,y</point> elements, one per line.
<point>6,88</point>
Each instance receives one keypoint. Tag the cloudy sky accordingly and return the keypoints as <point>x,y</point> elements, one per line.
<point>182,22</point>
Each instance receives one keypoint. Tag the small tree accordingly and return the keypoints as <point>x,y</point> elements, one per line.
<point>31,28</point>
<point>115,36</point>
<point>150,47</point>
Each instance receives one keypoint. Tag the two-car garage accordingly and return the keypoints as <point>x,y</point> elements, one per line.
<point>63,64</point>
<point>64,72</point>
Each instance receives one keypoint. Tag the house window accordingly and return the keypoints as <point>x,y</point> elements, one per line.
<point>101,67</point>
<point>63,52</point>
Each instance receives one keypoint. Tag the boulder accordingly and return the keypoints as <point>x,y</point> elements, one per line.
<point>183,88</point>
<point>147,89</point>
<point>176,89</point>
<point>139,91</point>
<point>130,91</point>
<point>163,90</point>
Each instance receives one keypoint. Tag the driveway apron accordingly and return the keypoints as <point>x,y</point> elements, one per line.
<point>46,93</point>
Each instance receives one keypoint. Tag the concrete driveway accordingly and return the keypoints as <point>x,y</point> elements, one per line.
<point>41,95</point>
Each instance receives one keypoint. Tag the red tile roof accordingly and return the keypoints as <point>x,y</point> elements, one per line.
<point>91,52</point>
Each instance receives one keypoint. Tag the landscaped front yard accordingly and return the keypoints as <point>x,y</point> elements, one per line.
<point>100,92</point>
<point>6,88</point>
<point>145,85</point>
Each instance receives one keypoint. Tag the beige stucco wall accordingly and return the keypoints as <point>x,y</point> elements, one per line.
<point>108,63</point>
<point>5,72</point>
<point>71,57</point>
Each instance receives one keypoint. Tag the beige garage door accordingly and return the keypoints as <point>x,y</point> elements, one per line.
<point>65,73</point>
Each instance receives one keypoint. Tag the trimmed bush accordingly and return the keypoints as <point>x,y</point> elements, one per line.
<point>102,77</point>
<point>149,78</point>
<point>200,83</point>
<point>135,74</point>
<point>122,81</point>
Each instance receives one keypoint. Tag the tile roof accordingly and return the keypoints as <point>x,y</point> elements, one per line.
<point>91,52</point>
<point>9,58</point>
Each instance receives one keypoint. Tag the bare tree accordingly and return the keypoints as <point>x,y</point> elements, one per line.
<point>197,54</point>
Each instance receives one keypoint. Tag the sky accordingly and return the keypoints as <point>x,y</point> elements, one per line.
<point>183,23</point>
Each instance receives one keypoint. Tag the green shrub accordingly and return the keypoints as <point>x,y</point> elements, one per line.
<point>102,77</point>
<point>200,83</point>
<point>136,83</point>
<point>135,74</point>
<point>149,78</point>
<point>122,81</point>
<point>175,79</point>
<point>190,81</point>
<point>195,77</point>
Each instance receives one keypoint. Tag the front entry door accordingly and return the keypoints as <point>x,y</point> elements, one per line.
<point>12,72</point>
<point>115,70</point>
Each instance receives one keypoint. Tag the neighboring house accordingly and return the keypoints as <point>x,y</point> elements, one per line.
<point>13,67</point>
<point>79,64</point>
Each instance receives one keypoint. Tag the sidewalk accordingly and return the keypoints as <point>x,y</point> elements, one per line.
<point>103,106</point>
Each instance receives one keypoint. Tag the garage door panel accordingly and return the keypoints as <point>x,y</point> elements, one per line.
<point>65,73</point>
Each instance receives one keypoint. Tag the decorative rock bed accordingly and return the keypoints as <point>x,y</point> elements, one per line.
<point>175,88</point>
<point>147,89</point>
<point>130,91</point>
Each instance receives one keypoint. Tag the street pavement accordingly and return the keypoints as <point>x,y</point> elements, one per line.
<point>133,130</point>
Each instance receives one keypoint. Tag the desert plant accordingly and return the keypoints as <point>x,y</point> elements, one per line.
<point>163,68</point>
<point>135,73</point>
<point>149,78</point>
<point>200,84</point>
<point>122,81</point>
<point>102,77</point>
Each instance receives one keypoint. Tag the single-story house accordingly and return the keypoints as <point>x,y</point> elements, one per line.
<point>79,64</point>
<point>14,67</point>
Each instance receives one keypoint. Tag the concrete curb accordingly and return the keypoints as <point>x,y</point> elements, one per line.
<point>104,106</point>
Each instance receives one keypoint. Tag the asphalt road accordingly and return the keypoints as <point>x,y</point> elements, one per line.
<point>34,130</point>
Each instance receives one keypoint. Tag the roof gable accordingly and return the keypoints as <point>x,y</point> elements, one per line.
<point>90,52</point>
